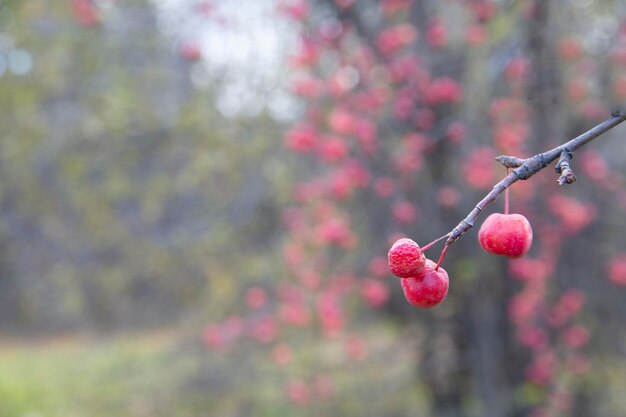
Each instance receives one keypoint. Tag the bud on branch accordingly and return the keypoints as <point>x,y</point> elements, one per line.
<point>562,167</point>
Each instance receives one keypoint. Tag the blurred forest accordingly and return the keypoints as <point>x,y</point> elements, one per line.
<point>124,190</point>
<point>197,199</point>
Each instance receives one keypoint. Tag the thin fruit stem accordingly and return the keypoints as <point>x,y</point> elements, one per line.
<point>506,196</point>
<point>442,256</point>
<point>431,244</point>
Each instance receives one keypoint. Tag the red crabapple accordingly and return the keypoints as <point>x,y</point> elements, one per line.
<point>191,51</point>
<point>576,336</point>
<point>85,13</point>
<point>256,297</point>
<point>375,292</point>
<point>428,288</point>
<point>506,234</point>
<point>437,34</point>
<point>405,258</point>
<point>616,269</point>
<point>298,392</point>
<point>282,354</point>
<point>570,49</point>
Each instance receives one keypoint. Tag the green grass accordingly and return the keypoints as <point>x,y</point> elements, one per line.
<point>166,375</point>
<point>84,377</point>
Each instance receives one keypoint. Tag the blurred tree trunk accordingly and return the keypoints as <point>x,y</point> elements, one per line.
<point>544,83</point>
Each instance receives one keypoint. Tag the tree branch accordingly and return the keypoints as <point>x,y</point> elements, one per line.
<point>530,167</point>
<point>562,167</point>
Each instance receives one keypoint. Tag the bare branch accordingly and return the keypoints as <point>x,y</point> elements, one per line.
<point>530,167</point>
<point>562,167</point>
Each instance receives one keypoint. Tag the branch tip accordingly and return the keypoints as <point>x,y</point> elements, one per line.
<point>563,167</point>
<point>510,161</point>
<point>568,178</point>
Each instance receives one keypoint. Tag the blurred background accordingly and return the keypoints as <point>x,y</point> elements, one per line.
<point>197,199</point>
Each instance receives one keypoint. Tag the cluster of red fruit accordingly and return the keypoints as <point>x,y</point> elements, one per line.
<point>425,284</point>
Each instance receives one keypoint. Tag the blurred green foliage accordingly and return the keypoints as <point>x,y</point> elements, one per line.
<point>145,375</point>
<point>74,377</point>
<point>123,191</point>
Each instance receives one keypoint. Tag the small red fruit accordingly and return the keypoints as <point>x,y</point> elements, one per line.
<point>405,258</point>
<point>616,269</point>
<point>506,234</point>
<point>428,288</point>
